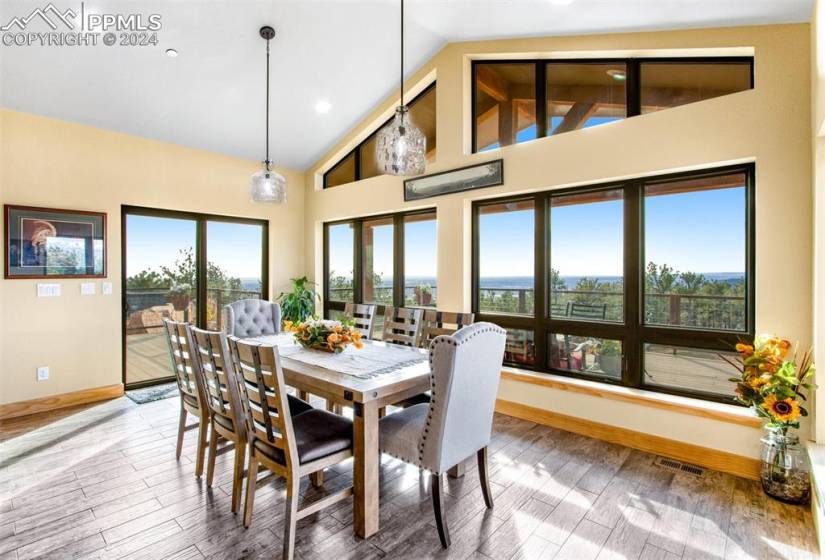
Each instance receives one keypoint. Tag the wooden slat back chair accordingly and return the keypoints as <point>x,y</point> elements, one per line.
<point>289,446</point>
<point>436,323</point>
<point>223,399</point>
<point>363,315</point>
<point>402,325</point>
<point>190,384</point>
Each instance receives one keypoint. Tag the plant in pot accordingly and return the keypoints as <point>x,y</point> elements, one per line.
<point>772,380</point>
<point>179,296</point>
<point>299,304</point>
<point>423,294</point>
<point>609,353</point>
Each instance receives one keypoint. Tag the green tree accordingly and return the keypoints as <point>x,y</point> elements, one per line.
<point>691,282</point>
<point>660,279</point>
<point>145,279</point>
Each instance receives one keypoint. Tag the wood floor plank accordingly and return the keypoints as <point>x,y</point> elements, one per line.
<point>585,542</point>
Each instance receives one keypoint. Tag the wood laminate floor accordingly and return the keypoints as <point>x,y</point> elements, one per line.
<point>101,481</point>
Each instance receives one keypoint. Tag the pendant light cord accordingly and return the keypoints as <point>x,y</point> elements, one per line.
<point>267,105</point>
<point>402,53</point>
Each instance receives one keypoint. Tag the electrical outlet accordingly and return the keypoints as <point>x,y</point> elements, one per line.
<point>87,289</point>
<point>43,373</point>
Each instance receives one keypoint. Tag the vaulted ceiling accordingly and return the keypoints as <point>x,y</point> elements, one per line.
<point>343,52</point>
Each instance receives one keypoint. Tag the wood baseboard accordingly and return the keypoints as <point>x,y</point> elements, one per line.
<point>53,402</point>
<point>705,457</point>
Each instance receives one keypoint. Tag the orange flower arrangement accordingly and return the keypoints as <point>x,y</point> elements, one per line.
<point>326,335</point>
<point>772,381</point>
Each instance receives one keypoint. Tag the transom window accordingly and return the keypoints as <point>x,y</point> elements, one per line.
<point>384,260</point>
<point>361,162</point>
<point>641,283</point>
<point>517,101</point>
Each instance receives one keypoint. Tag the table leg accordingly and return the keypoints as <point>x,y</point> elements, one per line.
<point>457,471</point>
<point>367,462</point>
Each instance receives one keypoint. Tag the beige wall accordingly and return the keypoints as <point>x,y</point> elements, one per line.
<point>44,162</point>
<point>818,176</point>
<point>769,124</point>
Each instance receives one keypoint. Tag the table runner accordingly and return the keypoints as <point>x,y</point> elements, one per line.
<point>370,361</point>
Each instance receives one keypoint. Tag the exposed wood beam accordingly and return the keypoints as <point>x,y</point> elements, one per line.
<point>576,116</point>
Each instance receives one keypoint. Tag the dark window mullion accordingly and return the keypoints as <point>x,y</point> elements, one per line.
<point>541,99</point>
<point>540,264</point>
<point>201,270</point>
<point>633,285</point>
<point>357,261</point>
<point>633,88</point>
<point>398,260</point>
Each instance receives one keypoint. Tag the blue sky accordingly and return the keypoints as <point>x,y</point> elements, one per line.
<point>153,242</point>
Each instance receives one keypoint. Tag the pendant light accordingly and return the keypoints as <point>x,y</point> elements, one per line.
<point>267,185</point>
<point>401,147</point>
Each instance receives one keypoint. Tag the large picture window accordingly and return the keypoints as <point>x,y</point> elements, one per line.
<point>521,100</point>
<point>641,283</point>
<point>361,162</point>
<point>383,260</point>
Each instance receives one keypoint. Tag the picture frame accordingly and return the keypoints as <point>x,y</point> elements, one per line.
<point>52,243</point>
<point>471,177</point>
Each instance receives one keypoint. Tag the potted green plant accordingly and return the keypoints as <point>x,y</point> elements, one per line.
<point>609,354</point>
<point>179,296</point>
<point>423,294</point>
<point>298,304</point>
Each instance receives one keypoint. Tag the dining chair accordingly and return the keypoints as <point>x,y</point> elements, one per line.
<point>437,323</point>
<point>464,374</point>
<point>289,446</point>
<point>363,315</point>
<point>402,325</point>
<point>190,385</point>
<point>248,318</point>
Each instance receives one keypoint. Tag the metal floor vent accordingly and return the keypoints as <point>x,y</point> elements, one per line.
<point>678,466</point>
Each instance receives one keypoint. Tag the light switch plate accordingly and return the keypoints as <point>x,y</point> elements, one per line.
<point>107,288</point>
<point>48,290</point>
<point>43,373</point>
<point>87,289</point>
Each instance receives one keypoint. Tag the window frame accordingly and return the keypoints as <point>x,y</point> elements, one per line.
<point>632,82</point>
<point>398,220</point>
<point>632,332</point>
<point>356,151</point>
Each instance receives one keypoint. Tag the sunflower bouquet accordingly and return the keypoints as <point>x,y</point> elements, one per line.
<point>326,335</point>
<point>772,380</point>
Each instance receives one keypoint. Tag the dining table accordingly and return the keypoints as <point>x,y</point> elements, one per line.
<point>368,380</point>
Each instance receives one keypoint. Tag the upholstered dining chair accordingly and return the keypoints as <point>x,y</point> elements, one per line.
<point>458,422</point>
<point>289,446</point>
<point>363,315</point>
<point>402,325</point>
<point>248,318</point>
<point>190,385</point>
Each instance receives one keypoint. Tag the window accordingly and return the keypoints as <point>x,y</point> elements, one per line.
<point>361,162</point>
<point>517,101</point>
<point>642,283</point>
<point>420,260</point>
<point>377,272</point>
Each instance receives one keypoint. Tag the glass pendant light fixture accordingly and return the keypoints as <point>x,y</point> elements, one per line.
<point>267,185</point>
<point>401,148</point>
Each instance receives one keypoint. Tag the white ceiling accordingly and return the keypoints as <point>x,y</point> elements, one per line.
<point>342,51</point>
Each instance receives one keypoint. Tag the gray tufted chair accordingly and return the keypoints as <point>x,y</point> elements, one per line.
<point>247,318</point>
<point>464,373</point>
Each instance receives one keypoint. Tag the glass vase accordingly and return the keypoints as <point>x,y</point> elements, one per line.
<point>785,471</point>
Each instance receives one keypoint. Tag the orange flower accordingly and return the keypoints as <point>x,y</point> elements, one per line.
<point>358,344</point>
<point>334,338</point>
<point>356,335</point>
<point>758,381</point>
<point>786,410</point>
<point>288,326</point>
<point>745,349</point>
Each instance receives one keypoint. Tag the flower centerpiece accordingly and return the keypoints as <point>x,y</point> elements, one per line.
<point>324,334</point>
<point>772,380</point>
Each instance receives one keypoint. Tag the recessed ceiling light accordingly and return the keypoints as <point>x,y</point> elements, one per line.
<point>618,75</point>
<point>171,53</point>
<point>323,106</point>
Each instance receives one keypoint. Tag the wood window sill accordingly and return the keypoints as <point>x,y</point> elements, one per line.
<point>683,405</point>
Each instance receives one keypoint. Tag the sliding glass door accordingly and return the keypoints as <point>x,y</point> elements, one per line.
<point>185,267</point>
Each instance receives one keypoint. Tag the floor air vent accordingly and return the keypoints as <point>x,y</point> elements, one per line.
<point>678,466</point>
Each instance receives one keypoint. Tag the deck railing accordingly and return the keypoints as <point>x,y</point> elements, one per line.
<point>383,295</point>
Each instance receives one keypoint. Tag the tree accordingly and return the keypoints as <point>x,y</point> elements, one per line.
<point>660,279</point>
<point>691,282</point>
<point>145,279</point>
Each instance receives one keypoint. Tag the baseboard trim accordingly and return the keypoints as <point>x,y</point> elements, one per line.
<point>54,402</point>
<point>723,461</point>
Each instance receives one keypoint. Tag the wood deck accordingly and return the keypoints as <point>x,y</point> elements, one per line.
<point>147,357</point>
<point>101,481</point>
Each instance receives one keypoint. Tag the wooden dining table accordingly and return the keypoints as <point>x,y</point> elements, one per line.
<point>366,397</point>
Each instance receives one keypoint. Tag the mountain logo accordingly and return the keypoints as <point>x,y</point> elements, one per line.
<point>47,14</point>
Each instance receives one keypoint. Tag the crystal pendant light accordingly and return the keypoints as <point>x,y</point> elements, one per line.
<point>401,147</point>
<point>267,185</point>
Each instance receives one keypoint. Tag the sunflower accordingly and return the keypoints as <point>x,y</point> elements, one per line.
<point>786,410</point>
<point>758,381</point>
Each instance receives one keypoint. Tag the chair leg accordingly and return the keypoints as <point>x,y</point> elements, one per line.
<point>291,519</point>
<point>210,458</point>
<point>484,477</point>
<point>437,491</point>
<point>181,430</point>
<point>237,474</point>
<point>317,478</point>
<point>303,395</point>
<point>203,434</point>
<point>251,481</point>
